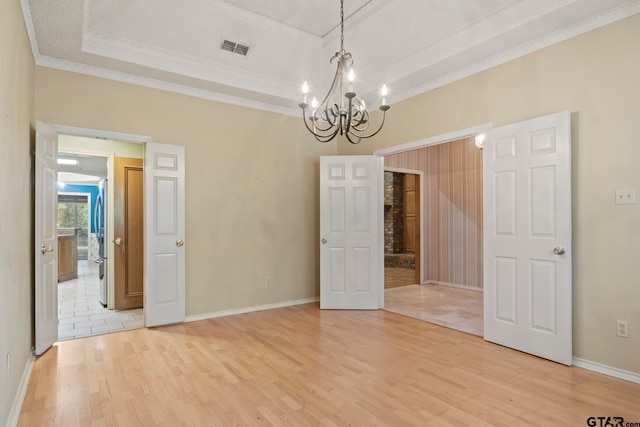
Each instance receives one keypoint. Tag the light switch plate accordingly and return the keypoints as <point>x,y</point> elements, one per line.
<point>625,196</point>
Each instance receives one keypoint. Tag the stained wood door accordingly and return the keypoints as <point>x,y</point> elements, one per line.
<point>409,220</point>
<point>350,248</point>
<point>527,237</point>
<point>165,234</point>
<point>128,232</point>
<point>46,238</point>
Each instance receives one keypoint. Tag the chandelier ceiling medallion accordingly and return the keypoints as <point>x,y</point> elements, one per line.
<point>342,112</point>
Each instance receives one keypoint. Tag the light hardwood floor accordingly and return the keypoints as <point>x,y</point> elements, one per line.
<point>302,366</point>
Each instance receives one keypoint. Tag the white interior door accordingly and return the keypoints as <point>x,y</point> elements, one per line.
<point>349,231</point>
<point>46,238</point>
<point>164,188</point>
<point>527,237</point>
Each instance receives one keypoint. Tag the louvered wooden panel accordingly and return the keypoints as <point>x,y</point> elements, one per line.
<point>451,209</point>
<point>410,213</point>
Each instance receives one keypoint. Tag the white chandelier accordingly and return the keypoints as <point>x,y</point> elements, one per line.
<point>341,112</point>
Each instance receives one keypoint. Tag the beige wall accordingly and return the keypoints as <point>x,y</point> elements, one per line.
<point>451,213</point>
<point>16,124</point>
<point>251,184</point>
<point>596,76</point>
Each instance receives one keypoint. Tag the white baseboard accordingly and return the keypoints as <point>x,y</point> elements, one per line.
<point>243,310</point>
<point>16,408</point>
<point>453,285</point>
<point>607,370</point>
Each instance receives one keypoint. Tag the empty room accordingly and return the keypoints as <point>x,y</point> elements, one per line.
<point>260,248</point>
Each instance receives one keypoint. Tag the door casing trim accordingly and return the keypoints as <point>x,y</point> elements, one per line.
<point>400,148</point>
<point>104,134</point>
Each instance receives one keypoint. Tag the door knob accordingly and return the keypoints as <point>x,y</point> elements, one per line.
<point>324,241</point>
<point>45,249</point>
<point>179,243</point>
<point>558,250</point>
<point>118,241</point>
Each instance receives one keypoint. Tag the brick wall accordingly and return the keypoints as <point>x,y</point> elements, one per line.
<point>393,212</point>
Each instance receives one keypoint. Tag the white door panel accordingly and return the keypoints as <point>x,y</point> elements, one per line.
<point>164,234</point>
<point>527,203</point>
<point>349,228</point>
<point>46,238</point>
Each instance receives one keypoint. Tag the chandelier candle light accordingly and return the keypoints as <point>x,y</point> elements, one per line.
<point>340,112</point>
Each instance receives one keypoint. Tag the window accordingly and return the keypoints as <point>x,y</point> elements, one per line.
<point>73,212</point>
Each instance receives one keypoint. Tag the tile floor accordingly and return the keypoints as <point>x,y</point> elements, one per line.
<point>454,308</point>
<point>80,313</point>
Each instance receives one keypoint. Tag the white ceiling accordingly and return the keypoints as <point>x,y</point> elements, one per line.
<point>411,45</point>
<point>88,170</point>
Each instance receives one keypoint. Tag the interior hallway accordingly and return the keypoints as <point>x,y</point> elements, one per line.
<point>80,313</point>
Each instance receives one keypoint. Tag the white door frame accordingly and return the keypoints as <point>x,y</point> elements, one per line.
<point>102,134</point>
<point>421,179</point>
<point>422,143</point>
<point>110,156</point>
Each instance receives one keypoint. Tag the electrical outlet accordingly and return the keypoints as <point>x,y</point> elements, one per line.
<point>267,281</point>
<point>622,328</point>
<point>625,196</point>
<point>8,364</point>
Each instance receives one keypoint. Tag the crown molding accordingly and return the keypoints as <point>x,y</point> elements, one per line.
<point>31,31</point>
<point>90,70</point>
<point>173,62</point>
<point>410,68</point>
<point>488,28</point>
<point>630,8</point>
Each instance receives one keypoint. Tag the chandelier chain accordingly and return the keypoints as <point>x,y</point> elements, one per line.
<point>341,25</point>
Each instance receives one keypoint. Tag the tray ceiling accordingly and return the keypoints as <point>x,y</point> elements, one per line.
<point>411,45</point>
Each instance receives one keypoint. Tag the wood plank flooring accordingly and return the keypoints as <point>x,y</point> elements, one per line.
<point>301,366</point>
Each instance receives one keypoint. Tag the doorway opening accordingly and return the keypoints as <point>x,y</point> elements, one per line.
<point>401,228</point>
<point>88,191</point>
<point>449,291</point>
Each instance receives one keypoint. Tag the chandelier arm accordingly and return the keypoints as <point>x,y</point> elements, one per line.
<point>335,114</point>
<point>322,129</point>
<point>329,126</point>
<point>332,89</point>
<point>357,141</point>
<point>362,124</point>
<point>313,131</point>
<point>349,117</point>
<point>324,115</point>
<point>304,119</point>
<point>327,138</point>
<point>364,119</point>
<point>318,136</point>
<point>373,134</point>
